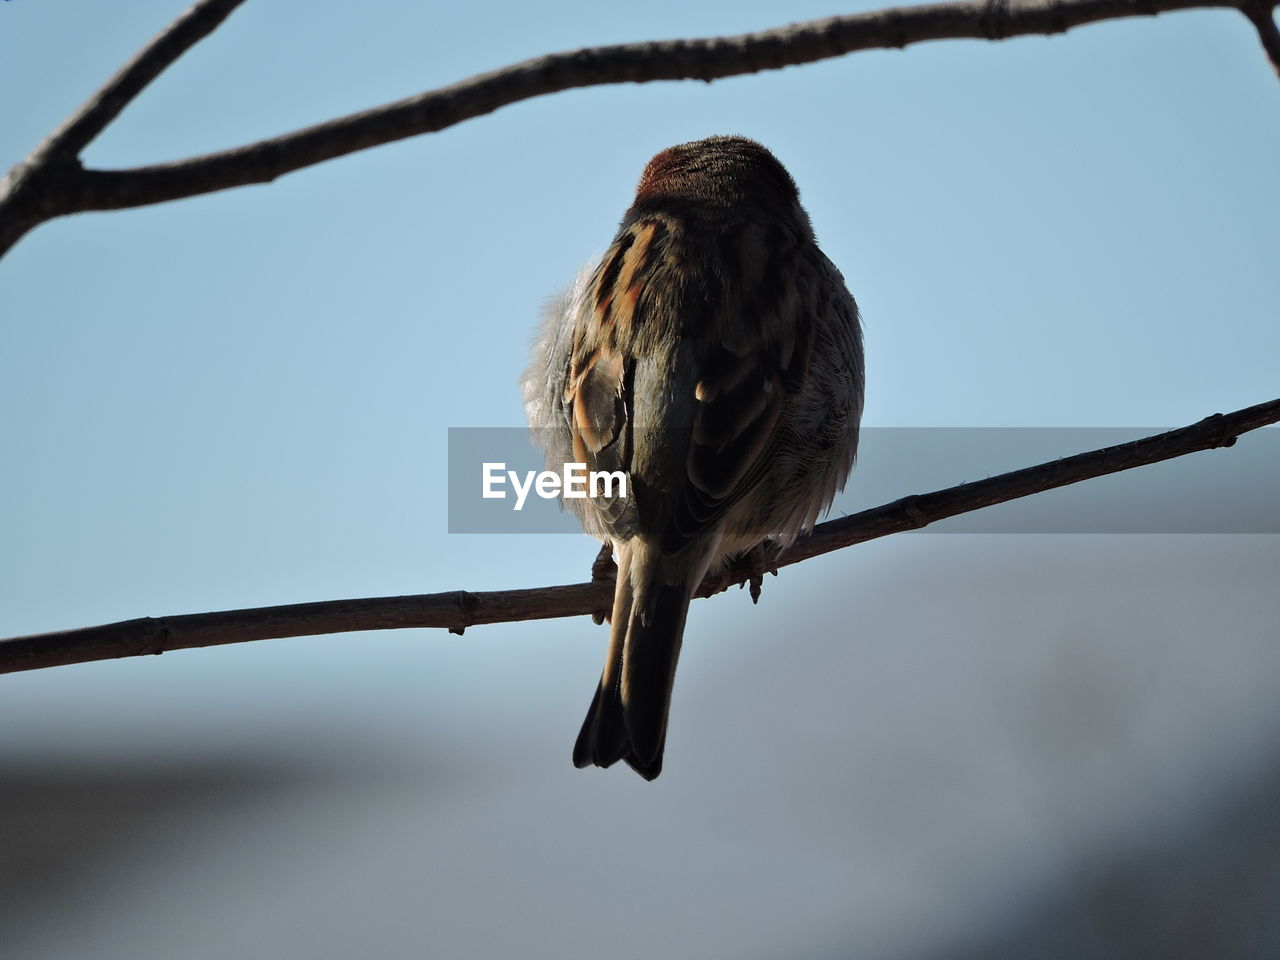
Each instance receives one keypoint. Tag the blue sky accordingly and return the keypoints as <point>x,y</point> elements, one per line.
<point>1072,231</point>
<point>242,399</point>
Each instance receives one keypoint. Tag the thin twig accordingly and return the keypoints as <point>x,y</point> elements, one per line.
<point>1263,19</point>
<point>53,184</point>
<point>458,610</point>
<point>79,130</point>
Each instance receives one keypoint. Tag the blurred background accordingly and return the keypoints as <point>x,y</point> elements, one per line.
<point>972,745</point>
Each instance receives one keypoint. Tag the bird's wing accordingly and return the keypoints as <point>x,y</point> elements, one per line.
<point>753,355</point>
<point>682,368</point>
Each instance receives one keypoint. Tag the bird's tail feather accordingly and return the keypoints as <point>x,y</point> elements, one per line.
<point>603,739</point>
<point>628,716</point>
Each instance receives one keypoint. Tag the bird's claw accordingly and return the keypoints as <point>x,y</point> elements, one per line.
<point>603,570</point>
<point>757,561</point>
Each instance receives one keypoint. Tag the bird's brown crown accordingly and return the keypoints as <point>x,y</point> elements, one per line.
<point>719,171</point>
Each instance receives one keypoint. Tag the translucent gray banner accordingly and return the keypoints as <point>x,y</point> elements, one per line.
<point>1235,490</point>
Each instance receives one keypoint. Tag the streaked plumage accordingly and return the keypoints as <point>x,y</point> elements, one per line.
<point>715,356</point>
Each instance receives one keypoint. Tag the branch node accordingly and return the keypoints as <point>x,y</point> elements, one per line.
<point>1060,22</point>
<point>467,603</point>
<point>995,16</point>
<point>911,507</point>
<point>1226,435</point>
<point>157,637</point>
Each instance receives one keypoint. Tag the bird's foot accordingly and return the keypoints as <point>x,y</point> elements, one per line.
<point>747,569</point>
<point>603,570</point>
<point>758,561</point>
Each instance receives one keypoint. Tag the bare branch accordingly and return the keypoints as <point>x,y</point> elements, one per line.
<point>48,182</point>
<point>53,184</point>
<point>458,610</point>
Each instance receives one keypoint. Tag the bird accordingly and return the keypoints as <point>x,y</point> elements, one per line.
<point>713,355</point>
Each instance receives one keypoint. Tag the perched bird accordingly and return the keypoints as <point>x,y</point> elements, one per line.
<point>714,356</point>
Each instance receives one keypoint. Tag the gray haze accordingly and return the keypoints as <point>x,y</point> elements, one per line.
<point>971,747</point>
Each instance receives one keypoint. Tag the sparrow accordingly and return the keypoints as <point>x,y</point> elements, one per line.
<point>713,356</point>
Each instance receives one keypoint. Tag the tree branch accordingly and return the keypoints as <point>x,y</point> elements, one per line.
<point>52,183</point>
<point>48,182</point>
<point>458,610</point>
